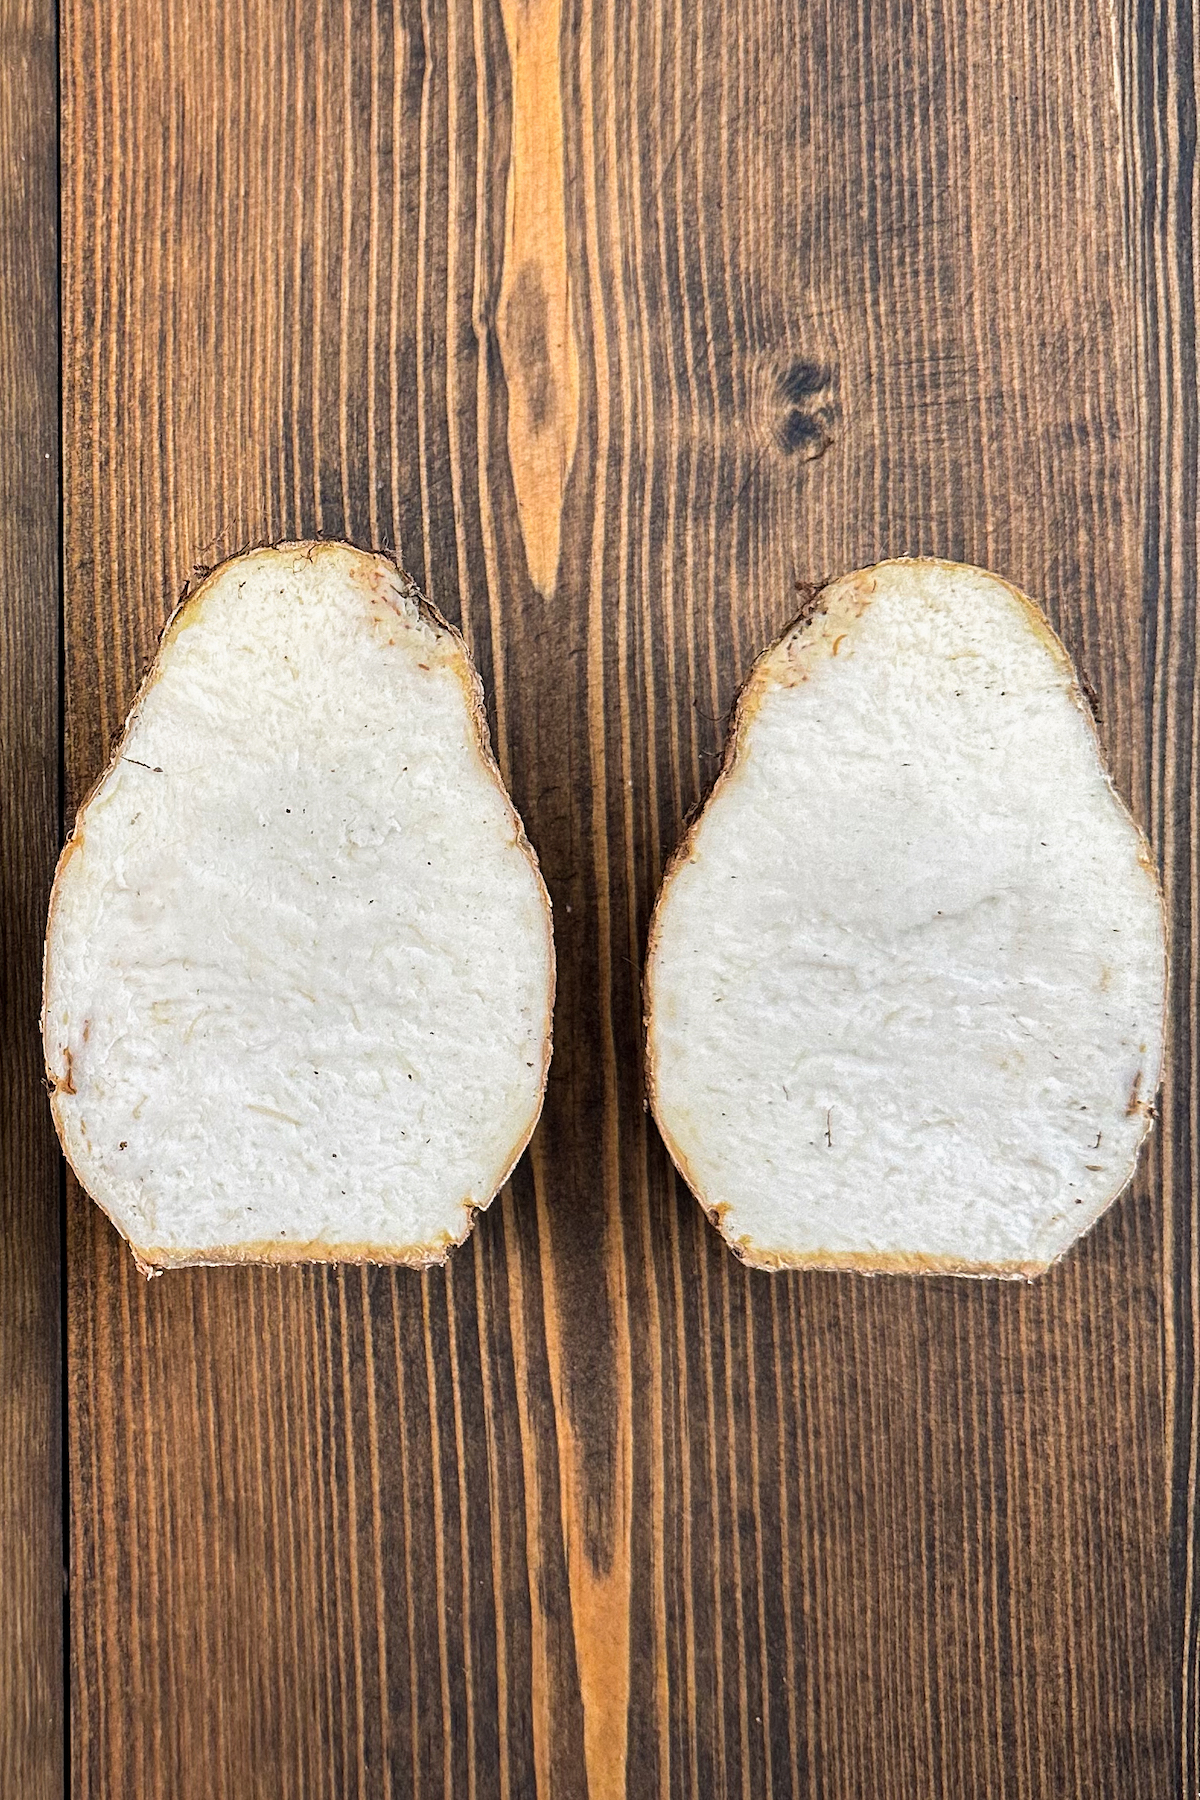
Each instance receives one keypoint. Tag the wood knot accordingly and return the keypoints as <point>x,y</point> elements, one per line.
<point>804,412</point>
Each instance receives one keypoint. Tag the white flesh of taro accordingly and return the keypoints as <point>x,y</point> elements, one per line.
<point>299,968</point>
<point>906,976</point>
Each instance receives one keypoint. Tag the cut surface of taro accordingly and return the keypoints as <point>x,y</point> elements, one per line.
<point>905,980</point>
<point>299,964</point>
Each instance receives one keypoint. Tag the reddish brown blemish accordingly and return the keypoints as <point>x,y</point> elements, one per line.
<point>67,1084</point>
<point>388,593</point>
<point>1136,1103</point>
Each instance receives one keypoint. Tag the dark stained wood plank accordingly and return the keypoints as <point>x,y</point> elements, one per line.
<point>1159,64</point>
<point>32,1697</point>
<point>619,321</point>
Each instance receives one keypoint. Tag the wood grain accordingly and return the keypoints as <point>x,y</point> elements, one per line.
<point>619,320</point>
<point>1159,63</point>
<point>32,1698</point>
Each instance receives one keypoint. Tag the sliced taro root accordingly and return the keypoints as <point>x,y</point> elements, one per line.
<point>299,962</point>
<point>906,974</point>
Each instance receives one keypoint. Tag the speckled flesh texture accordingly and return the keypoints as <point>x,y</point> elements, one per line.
<point>299,964</point>
<point>906,974</point>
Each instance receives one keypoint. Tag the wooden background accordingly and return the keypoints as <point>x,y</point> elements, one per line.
<point>31,1185</point>
<point>617,319</point>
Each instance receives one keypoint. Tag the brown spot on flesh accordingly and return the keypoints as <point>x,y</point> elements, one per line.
<point>1136,1104</point>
